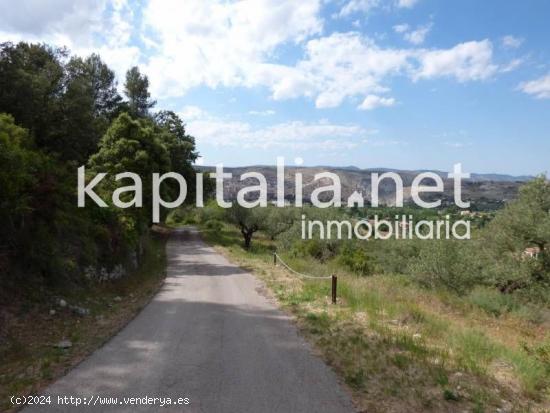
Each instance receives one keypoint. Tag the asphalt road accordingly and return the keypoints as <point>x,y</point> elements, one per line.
<point>208,336</point>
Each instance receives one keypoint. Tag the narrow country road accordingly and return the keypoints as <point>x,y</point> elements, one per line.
<point>210,336</point>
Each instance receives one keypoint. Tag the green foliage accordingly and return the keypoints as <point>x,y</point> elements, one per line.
<point>492,267</point>
<point>278,220</point>
<point>356,259</point>
<point>136,89</point>
<point>100,83</point>
<point>42,233</point>
<point>211,211</point>
<point>541,352</point>
<point>132,146</point>
<point>20,165</point>
<point>447,263</point>
<point>496,259</point>
<point>524,223</point>
<point>180,146</point>
<point>214,225</point>
<point>65,106</point>
<point>492,301</point>
<point>248,220</point>
<point>475,348</point>
<point>315,248</point>
<point>65,111</point>
<point>31,80</point>
<point>293,240</point>
<point>182,215</point>
<point>90,102</point>
<point>394,256</point>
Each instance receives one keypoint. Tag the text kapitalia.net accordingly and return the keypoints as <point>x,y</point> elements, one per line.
<point>334,189</point>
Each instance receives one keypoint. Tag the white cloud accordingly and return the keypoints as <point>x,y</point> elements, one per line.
<point>354,6</point>
<point>189,113</point>
<point>237,44</point>
<point>401,28</point>
<point>220,43</point>
<point>72,20</point>
<point>415,37</point>
<point>511,42</point>
<point>387,142</point>
<point>215,131</point>
<point>406,3</point>
<point>373,101</point>
<point>511,65</point>
<point>538,88</point>
<point>418,36</point>
<point>344,65</point>
<point>465,61</point>
<point>347,64</point>
<point>82,26</point>
<point>267,112</point>
<point>364,6</point>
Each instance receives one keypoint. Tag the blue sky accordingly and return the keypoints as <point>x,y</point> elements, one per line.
<point>409,84</point>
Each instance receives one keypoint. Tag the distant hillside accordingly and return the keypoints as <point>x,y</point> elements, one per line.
<point>474,176</point>
<point>485,191</point>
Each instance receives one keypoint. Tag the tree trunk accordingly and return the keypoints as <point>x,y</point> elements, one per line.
<point>247,240</point>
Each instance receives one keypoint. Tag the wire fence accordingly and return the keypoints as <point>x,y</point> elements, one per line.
<point>333,277</point>
<point>278,257</point>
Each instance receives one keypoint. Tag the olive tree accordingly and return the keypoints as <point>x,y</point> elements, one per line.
<point>248,220</point>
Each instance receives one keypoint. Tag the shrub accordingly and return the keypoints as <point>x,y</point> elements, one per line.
<point>393,256</point>
<point>356,259</point>
<point>210,211</point>
<point>450,264</point>
<point>321,250</point>
<point>214,225</point>
<point>492,301</point>
<point>178,216</point>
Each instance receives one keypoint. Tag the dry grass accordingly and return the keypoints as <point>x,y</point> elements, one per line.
<point>400,348</point>
<point>30,359</point>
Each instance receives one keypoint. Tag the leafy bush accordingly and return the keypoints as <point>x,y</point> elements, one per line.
<point>356,259</point>
<point>393,256</point>
<point>214,225</point>
<point>182,215</point>
<point>450,264</point>
<point>492,301</point>
<point>278,221</point>
<point>321,250</point>
<point>524,223</point>
<point>211,211</point>
<point>178,216</point>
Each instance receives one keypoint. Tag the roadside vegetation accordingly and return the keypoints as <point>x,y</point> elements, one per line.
<point>57,113</point>
<point>419,325</point>
<point>55,329</point>
<point>61,266</point>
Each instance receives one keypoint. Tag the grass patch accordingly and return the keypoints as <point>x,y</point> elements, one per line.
<point>400,347</point>
<point>492,301</point>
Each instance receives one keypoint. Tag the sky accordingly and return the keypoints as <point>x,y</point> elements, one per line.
<point>406,84</point>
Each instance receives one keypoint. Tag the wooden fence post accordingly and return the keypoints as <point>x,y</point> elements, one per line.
<point>334,286</point>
